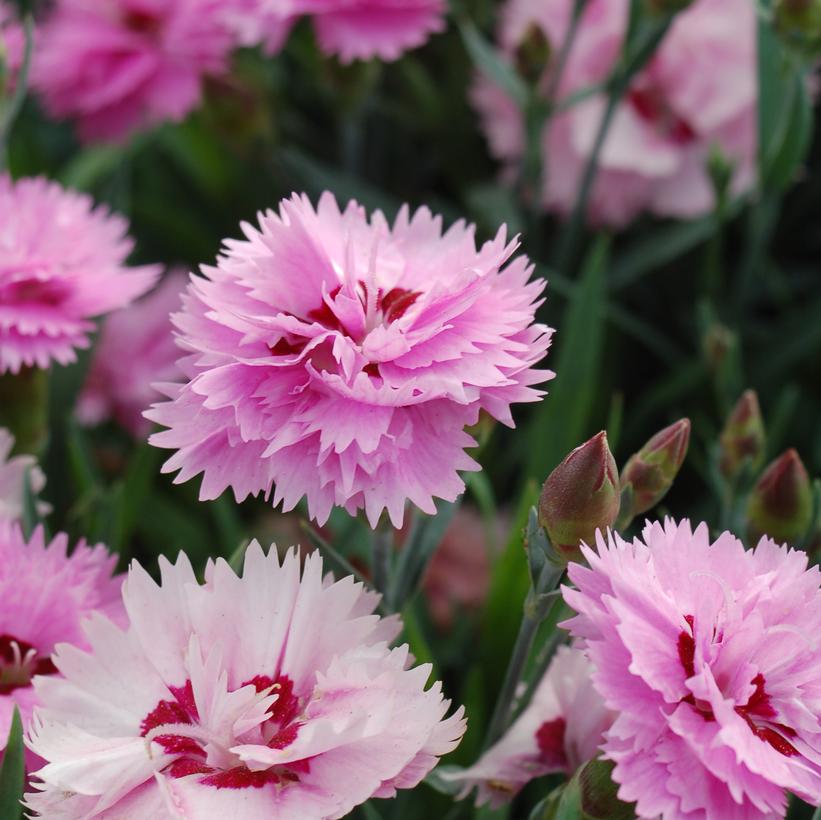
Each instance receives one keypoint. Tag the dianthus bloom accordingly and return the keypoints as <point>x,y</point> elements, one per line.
<point>698,93</point>
<point>559,731</point>
<point>708,655</point>
<point>273,695</point>
<point>348,29</point>
<point>123,65</point>
<point>134,350</point>
<point>340,359</point>
<point>46,596</point>
<point>14,473</point>
<point>62,261</point>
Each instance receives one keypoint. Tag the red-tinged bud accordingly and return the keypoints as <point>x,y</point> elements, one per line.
<point>579,497</point>
<point>780,504</point>
<point>533,53</point>
<point>651,471</point>
<point>799,22</point>
<point>743,436</point>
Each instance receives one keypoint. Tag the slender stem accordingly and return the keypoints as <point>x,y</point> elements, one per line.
<point>19,96</point>
<point>564,53</point>
<point>381,557</point>
<point>542,662</point>
<point>537,607</point>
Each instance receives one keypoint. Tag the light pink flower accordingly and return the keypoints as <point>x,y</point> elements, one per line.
<point>348,29</point>
<point>14,473</point>
<point>12,41</point>
<point>124,65</point>
<point>559,731</point>
<point>46,596</point>
<point>135,349</point>
<point>62,261</point>
<point>273,695</point>
<point>708,654</point>
<point>698,92</point>
<point>340,359</point>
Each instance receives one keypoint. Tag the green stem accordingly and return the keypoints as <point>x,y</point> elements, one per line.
<point>24,408</point>
<point>537,607</point>
<point>21,87</point>
<point>381,557</point>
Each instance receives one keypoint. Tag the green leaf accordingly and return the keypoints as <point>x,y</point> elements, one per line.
<point>490,63</point>
<point>787,156</point>
<point>564,416</point>
<point>13,772</point>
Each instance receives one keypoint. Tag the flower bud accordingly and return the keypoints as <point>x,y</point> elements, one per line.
<point>599,794</point>
<point>780,504</point>
<point>743,436</point>
<point>580,496</point>
<point>650,471</point>
<point>533,53</point>
<point>799,22</point>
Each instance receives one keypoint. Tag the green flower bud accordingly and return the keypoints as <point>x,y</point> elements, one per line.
<point>780,504</point>
<point>651,471</point>
<point>799,23</point>
<point>533,53</point>
<point>579,497</point>
<point>743,436</point>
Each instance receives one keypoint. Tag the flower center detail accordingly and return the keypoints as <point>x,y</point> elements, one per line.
<point>650,103</point>
<point>175,726</point>
<point>550,737</point>
<point>379,309</point>
<point>19,663</point>
<point>758,712</point>
<point>32,291</point>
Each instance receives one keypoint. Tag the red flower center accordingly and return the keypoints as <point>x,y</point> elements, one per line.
<point>758,712</point>
<point>651,104</point>
<point>279,731</point>
<point>142,21</point>
<point>19,663</point>
<point>33,292</point>
<point>385,309</point>
<point>550,737</point>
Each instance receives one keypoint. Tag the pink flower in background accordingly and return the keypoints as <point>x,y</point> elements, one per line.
<point>135,349</point>
<point>46,596</point>
<point>560,730</point>
<point>458,576</point>
<point>12,40</point>
<point>340,358</point>
<point>124,65</point>
<point>349,29</point>
<point>708,655</point>
<point>271,695</point>
<point>62,262</point>
<point>14,472</point>
<point>697,93</point>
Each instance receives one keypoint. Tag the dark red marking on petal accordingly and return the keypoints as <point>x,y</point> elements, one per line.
<point>177,744</point>
<point>241,777</point>
<point>396,303</point>
<point>184,766</point>
<point>165,712</point>
<point>285,737</point>
<point>775,740</point>
<point>142,22</point>
<point>687,648</point>
<point>41,665</point>
<point>324,316</point>
<point>759,702</point>
<point>550,737</point>
<point>651,105</point>
<point>184,695</point>
<point>285,348</point>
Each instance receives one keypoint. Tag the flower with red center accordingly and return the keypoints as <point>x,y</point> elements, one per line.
<point>697,94</point>
<point>62,262</point>
<point>124,65</point>
<point>340,358</point>
<point>143,336</point>
<point>559,731</point>
<point>707,654</point>
<point>271,695</point>
<point>45,596</point>
<point>349,29</point>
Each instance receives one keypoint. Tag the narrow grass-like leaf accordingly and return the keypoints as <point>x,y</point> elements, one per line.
<point>12,772</point>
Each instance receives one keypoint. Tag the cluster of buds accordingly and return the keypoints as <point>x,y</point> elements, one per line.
<point>585,493</point>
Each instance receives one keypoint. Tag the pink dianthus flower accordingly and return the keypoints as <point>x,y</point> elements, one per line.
<point>12,41</point>
<point>340,358</point>
<point>135,349</point>
<point>273,695</point>
<point>708,655</point>
<point>698,93</point>
<point>118,66</point>
<point>62,261</point>
<point>45,596</point>
<point>559,731</point>
<point>349,29</point>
